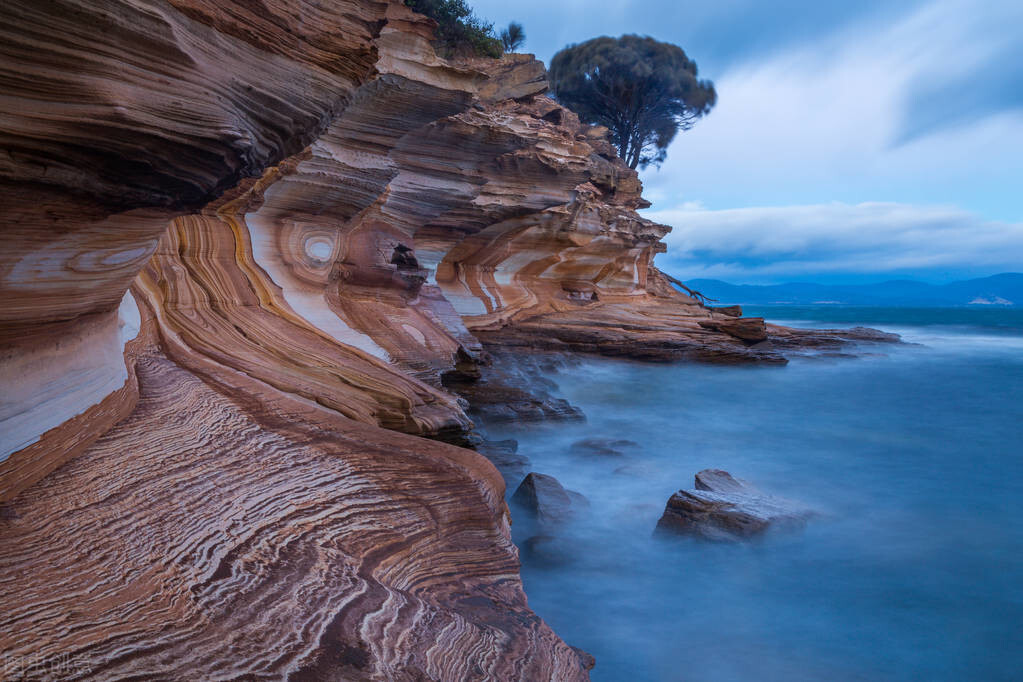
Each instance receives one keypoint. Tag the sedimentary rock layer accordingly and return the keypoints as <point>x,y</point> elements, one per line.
<point>202,473</point>
<point>226,529</point>
<point>115,115</point>
<point>249,247</point>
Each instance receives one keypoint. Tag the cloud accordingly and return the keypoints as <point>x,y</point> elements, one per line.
<point>881,110</point>
<point>873,139</point>
<point>715,33</point>
<point>837,242</point>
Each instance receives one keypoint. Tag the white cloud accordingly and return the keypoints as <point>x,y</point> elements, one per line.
<point>827,120</point>
<point>837,241</point>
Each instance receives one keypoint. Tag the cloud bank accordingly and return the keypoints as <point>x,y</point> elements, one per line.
<point>894,110</point>
<point>837,243</point>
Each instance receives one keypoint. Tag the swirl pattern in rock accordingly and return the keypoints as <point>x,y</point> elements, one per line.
<point>226,530</point>
<point>247,246</point>
<point>202,477</point>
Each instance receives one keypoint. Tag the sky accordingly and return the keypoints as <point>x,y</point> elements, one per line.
<point>851,142</point>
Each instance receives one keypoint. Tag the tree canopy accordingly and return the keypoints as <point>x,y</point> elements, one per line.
<point>643,90</point>
<point>459,31</point>
<point>513,37</point>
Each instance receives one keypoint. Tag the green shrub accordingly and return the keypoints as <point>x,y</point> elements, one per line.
<point>460,33</point>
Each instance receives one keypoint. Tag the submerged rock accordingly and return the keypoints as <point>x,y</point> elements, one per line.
<point>724,508</point>
<point>517,388</point>
<point>504,455</point>
<point>602,447</point>
<point>545,498</point>
<point>549,551</point>
<point>803,340</point>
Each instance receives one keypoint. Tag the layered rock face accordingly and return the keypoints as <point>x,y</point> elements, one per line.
<point>117,116</point>
<point>206,330</point>
<point>225,530</point>
<point>247,245</point>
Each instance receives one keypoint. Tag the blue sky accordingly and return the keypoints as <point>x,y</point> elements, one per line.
<point>851,142</point>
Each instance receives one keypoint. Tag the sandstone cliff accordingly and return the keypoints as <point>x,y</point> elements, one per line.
<point>244,244</point>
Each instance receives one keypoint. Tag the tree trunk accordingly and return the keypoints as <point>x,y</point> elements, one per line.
<point>634,154</point>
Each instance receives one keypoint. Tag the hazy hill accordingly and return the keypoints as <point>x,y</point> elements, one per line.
<point>1004,289</point>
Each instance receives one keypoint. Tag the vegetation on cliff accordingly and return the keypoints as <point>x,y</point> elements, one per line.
<point>460,32</point>
<point>643,90</point>
<point>513,37</point>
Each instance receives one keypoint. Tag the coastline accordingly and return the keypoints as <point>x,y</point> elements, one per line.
<point>323,227</point>
<point>907,455</point>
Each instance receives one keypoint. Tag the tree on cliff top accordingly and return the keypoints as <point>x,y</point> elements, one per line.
<point>513,37</point>
<point>460,33</point>
<point>643,90</point>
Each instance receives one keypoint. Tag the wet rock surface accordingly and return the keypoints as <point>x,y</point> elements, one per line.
<point>730,310</point>
<point>723,508</point>
<point>549,551</point>
<point>603,447</point>
<point>587,659</point>
<point>503,454</point>
<point>518,388</point>
<point>802,340</point>
<point>743,328</point>
<point>719,481</point>
<point>543,507</point>
<point>648,329</point>
<point>544,498</point>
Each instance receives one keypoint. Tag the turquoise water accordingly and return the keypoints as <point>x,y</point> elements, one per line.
<point>914,458</point>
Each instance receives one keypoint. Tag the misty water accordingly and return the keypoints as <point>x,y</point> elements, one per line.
<point>914,571</point>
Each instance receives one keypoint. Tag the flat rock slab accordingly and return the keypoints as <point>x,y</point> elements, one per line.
<point>747,328</point>
<point>719,481</point>
<point>730,310</point>
<point>723,508</point>
<point>784,338</point>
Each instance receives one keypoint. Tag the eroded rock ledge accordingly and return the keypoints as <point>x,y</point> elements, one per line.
<point>247,245</point>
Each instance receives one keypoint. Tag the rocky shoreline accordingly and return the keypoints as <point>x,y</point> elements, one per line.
<point>257,262</point>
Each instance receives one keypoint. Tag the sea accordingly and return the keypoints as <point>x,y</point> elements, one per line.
<point>911,454</point>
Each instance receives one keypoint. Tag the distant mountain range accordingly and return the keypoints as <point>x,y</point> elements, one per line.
<point>1000,290</point>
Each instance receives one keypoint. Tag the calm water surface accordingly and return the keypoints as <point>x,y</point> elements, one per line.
<point>915,458</point>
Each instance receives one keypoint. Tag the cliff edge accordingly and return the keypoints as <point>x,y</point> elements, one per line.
<point>245,243</point>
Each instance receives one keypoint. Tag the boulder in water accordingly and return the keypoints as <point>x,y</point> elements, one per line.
<point>725,508</point>
<point>545,498</point>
